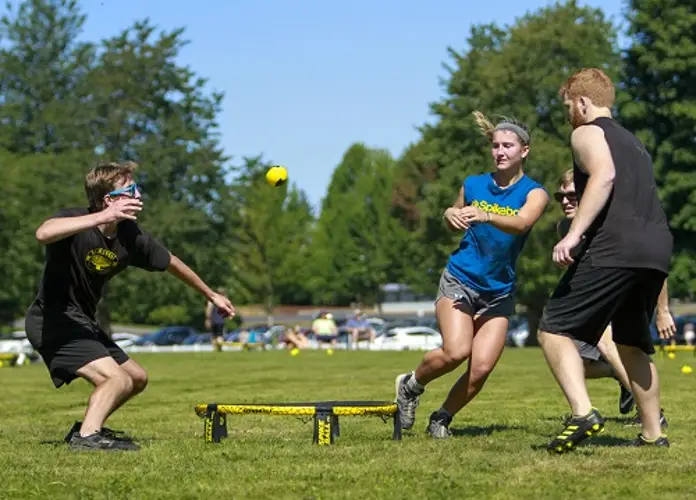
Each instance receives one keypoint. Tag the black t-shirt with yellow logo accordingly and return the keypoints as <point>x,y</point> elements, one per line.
<point>76,270</point>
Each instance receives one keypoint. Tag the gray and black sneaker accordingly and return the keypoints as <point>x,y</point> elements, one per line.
<point>406,400</point>
<point>659,442</point>
<point>626,400</point>
<point>438,427</point>
<point>98,441</point>
<point>106,432</point>
<point>636,420</point>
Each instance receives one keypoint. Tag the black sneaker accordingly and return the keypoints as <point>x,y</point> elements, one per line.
<point>110,433</point>
<point>406,400</point>
<point>438,426</point>
<point>660,442</point>
<point>663,420</point>
<point>576,430</point>
<point>98,441</point>
<point>626,400</point>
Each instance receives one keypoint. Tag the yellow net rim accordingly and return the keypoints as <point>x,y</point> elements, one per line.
<point>304,410</point>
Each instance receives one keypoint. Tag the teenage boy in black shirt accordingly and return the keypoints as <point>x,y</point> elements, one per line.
<point>85,248</point>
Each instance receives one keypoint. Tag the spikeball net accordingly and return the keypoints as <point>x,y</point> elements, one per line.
<point>325,415</point>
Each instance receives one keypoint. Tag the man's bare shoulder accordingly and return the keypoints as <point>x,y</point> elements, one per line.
<point>587,135</point>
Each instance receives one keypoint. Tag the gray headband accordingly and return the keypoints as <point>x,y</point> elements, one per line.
<point>522,133</point>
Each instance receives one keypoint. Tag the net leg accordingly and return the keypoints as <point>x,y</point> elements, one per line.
<point>214,425</point>
<point>335,426</point>
<point>323,433</point>
<point>396,436</point>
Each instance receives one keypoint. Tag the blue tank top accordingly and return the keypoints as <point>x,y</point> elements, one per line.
<point>487,257</point>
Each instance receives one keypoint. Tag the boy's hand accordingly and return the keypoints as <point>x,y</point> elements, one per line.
<point>224,305</point>
<point>121,209</point>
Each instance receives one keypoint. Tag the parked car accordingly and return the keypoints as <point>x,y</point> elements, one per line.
<point>170,335</point>
<point>17,343</point>
<point>408,338</point>
<point>124,340</point>
<point>518,331</point>
<point>198,338</point>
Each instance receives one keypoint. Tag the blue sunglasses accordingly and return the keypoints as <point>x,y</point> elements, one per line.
<point>128,190</point>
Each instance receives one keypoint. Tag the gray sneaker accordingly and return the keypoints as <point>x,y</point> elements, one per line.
<point>406,400</point>
<point>438,427</point>
<point>98,441</point>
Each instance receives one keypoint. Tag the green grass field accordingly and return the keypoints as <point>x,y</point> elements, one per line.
<point>498,450</point>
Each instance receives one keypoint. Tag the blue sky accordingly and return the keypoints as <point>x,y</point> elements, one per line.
<point>304,79</point>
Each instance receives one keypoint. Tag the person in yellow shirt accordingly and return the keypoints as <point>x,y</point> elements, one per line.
<point>324,328</point>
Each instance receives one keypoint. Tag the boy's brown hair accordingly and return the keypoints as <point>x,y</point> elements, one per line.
<point>592,83</point>
<point>104,178</point>
<point>566,179</point>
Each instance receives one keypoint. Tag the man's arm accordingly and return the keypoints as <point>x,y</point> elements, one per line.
<point>593,157</point>
<point>58,228</point>
<point>187,275</point>
<point>533,208</point>
<point>663,318</point>
<point>663,300</point>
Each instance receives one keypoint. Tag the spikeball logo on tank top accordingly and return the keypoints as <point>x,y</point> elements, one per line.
<point>495,208</point>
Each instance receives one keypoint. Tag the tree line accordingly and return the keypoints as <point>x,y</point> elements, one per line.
<point>66,104</point>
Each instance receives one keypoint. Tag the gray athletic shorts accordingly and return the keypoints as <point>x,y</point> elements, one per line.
<point>473,302</point>
<point>587,351</point>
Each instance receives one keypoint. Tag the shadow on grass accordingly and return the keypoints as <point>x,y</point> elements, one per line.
<point>593,443</point>
<point>475,431</point>
<point>626,421</point>
<point>60,442</point>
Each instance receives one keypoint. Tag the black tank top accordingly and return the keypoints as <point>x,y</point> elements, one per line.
<point>631,230</point>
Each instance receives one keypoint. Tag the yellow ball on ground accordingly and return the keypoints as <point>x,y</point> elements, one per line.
<point>329,352</point>
<point>671,355</point>
<point>294,352</point>
<point>686,369</point>
<point>277,176</point>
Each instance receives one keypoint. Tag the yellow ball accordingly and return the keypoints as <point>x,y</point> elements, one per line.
<point>671,355</point>
<point>294,352</point>
<point>277,176</point>
<point>329,352</point>
<point>686,369</point>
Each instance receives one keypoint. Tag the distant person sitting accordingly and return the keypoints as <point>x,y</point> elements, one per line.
<point>215,323</point>
<point>360,329</point>
<point>295,338</point>
<point>324,329</point>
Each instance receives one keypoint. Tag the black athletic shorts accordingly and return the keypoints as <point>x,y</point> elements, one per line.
<point>218,330</point>
<point>68,346</point>
<point>588,298</point>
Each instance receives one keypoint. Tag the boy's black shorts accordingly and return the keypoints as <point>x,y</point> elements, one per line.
<point>66,347</point>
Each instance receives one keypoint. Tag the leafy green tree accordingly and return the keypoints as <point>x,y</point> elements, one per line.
<point>28,187</point>
<point>41,70</point>
<point>356,246</point>
<point>515,71</point>
<point>127,100</point>
<point>660,106</point>
<point>268,247</point>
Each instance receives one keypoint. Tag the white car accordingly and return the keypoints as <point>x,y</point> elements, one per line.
<point>17,343</point>
<point>124,340</point>
<point>408,338</point>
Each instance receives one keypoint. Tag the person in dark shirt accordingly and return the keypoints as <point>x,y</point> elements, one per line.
<point>215,322</point>
<point>85,248</point>
<point>619,274</point>
<point>602,360</point>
